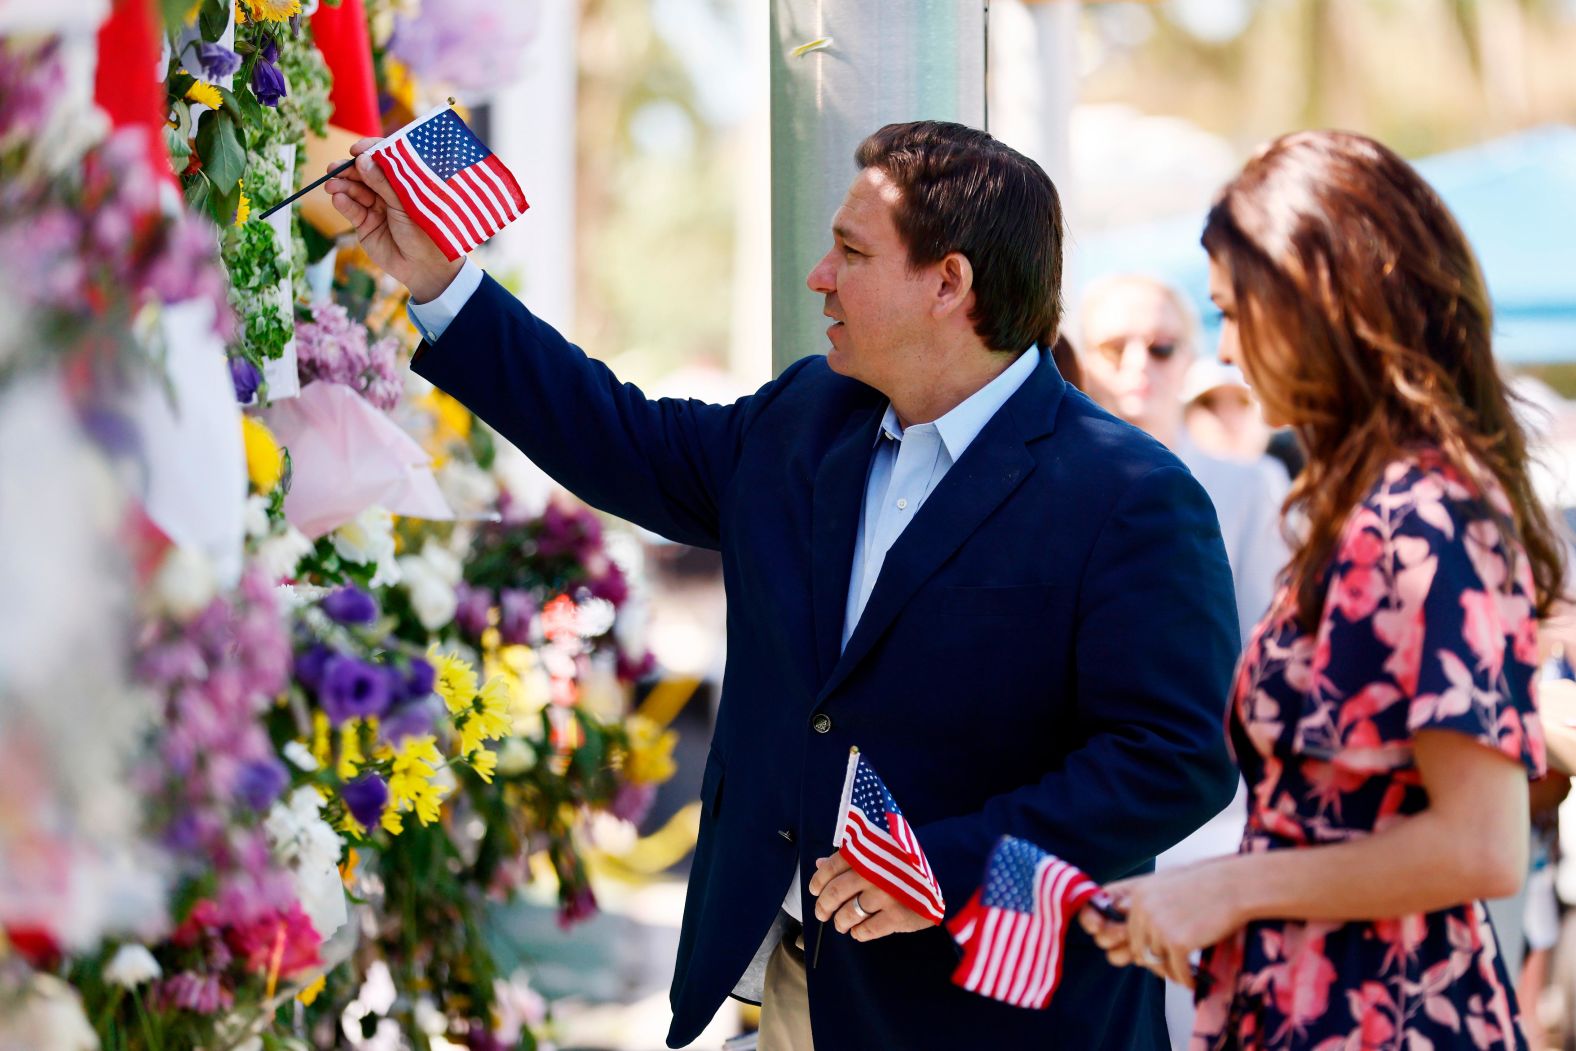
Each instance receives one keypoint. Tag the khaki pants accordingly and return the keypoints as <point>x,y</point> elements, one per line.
<point>785,1003</point>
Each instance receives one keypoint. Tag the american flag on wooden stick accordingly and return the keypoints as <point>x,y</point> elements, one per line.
<point>454,187</point>
<point>1013,930</point>
<point>879,844</point>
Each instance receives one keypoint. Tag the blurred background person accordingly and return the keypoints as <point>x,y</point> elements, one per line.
<point>1383,711</point>
<point>1139,340</point>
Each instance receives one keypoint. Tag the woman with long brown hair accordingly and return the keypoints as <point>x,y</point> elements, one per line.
<point>1383,710</point>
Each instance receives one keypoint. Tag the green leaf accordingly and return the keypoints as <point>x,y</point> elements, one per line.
<point>198,189</point>
<point>214,18</point>
<point>180,83</point>
<point>232,106</point>
<point>174,12</point>
<point>222,206</point>
<point>176,143</point>
<point>223,155</point>
<point>251,109</point>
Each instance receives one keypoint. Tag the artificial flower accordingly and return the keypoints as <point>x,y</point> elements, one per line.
<point>265,461</point>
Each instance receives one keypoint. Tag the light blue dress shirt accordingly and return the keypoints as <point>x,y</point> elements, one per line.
<point>905,467</point>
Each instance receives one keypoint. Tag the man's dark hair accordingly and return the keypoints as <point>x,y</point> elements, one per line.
<point>962,191</point>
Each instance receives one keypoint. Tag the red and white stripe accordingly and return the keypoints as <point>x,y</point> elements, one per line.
<point>892,859</point>
<point>1016,957</point>
<point>458,214</point>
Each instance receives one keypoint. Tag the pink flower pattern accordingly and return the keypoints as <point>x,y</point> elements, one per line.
<point>1428,624</point>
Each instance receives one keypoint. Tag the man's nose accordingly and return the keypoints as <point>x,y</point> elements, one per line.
<point>1135,355</point>
<point>821,276</point>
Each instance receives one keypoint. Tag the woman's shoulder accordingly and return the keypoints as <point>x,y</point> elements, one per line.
<point>1422,489</point>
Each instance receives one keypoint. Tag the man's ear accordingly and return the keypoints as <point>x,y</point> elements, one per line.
<point>955,287</point>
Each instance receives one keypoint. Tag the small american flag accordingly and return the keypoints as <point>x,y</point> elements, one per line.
<point>450,184</point>
<point>1013,928</point>
<point>880,845</point>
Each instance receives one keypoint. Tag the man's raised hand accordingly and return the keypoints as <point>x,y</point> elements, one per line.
<point>392,239</point>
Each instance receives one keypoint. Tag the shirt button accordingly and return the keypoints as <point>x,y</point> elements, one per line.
<point>822,723</point>
<point>902,504</point>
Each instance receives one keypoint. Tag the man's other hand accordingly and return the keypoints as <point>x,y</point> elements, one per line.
<point>392,239</point>
<point>837,887</point>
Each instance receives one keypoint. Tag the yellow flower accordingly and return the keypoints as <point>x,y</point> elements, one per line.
<point>410,783</point>
<point>322,749</point>
<point>487,719</point>
<point>650,758</point>
<point>265,461</point>
<point>350,756</point>
<point>309,994</point>
<point>204,94</point>
<point>243,210</point>
<point>273,10</point>
<point>484,763</point>
<point>393,824</point>
<point>455,680</point>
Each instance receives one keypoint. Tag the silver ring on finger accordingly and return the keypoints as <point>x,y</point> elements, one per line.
<point>860,910</point>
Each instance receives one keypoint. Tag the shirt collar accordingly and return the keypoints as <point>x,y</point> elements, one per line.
<point>959,427</point>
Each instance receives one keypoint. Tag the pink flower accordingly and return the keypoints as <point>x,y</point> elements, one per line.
<point>285,943</point>
<point>1358,590</point>
<point>1483,631</point>
<point>1302,984</point>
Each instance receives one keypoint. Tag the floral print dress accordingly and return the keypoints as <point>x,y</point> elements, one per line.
<point>1420,630</point>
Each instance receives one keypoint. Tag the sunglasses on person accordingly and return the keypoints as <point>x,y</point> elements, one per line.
<point>1159,350</point>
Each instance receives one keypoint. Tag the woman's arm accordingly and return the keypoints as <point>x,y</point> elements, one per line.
<point>1471,842</point>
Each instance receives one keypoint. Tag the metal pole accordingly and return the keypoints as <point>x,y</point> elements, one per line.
<point>869,64</point>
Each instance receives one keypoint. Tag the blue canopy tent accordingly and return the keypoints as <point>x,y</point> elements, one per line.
<point>1516,199</point>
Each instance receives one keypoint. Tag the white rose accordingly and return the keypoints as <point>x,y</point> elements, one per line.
<point>131,966</point>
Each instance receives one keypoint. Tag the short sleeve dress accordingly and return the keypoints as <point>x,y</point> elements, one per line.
<point>1428,624</point>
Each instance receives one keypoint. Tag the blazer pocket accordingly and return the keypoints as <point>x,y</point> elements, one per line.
<point>1012,600</point>
<point>711,786</point>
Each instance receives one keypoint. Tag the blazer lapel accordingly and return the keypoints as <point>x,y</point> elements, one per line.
<point>992,467</point>
<point>838,502</point>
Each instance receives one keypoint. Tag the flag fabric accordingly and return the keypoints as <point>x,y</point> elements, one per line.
<point>451,185</point>
<point>340,33</point>
<point>1012,931</point>
<point>879,844</point>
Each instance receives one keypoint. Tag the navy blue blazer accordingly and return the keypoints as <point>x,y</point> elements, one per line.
<point>1046,653</point>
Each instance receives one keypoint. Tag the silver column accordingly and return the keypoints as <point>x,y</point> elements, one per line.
<point>887,60</point>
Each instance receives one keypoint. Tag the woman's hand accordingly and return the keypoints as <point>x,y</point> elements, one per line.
<point>1169,915</point>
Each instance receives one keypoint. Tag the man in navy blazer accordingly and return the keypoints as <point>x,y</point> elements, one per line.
<point>1044,651</point>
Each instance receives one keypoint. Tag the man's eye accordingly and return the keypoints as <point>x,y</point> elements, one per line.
<point>852,251</point>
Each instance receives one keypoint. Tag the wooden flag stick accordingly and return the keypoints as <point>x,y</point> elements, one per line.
<point>837,837</point>
<point>303,191</point>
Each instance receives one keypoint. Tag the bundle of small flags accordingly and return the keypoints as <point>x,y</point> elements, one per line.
<point>879,844</point>
<point>455,188</point>
<point>1013,930</point>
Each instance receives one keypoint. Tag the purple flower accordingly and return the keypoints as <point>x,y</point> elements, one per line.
<point>516,608</point>
<point>410,719</point>
<point>217,61</point>
<point>268,83</point>
<point>580,905</point>
<point>418,681</point>
<point>366,797</point>
<point>352,689</point>
<point>632,802</point>
<point>632,670</point>
<point>611,586</point>
<point>471,613</point>
<point>333,346</point>
<point>261,782</point>
<point>246,378</point>
<point>351,605</point>
<point>567,531</point>
<point>309,666</point>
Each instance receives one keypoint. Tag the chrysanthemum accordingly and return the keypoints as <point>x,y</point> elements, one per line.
<point>204,94</point>
<point>455,682</point>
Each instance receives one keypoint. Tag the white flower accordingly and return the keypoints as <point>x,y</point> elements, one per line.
<point>185,583</point>
<point>369,539</point>
<point>256,516</point>
<point>517,1006</point>
<point>131,966</point>
<point>303,840</point>
<point>430,578</point>
<point>47,1016</point>
<point>300,756</point>
<point>429,1019</point>
<point>515,757</point>
<point>279,555</point>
